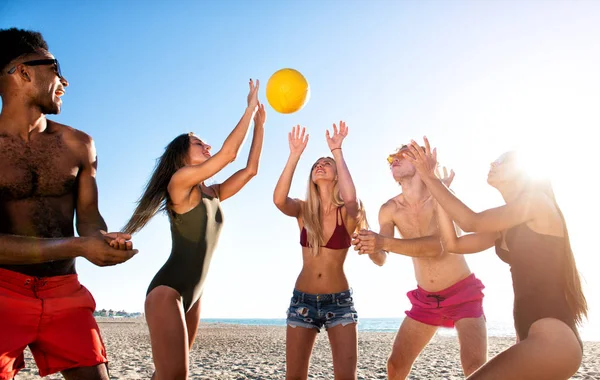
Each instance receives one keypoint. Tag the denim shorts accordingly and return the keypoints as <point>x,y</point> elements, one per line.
<point>318,310</point>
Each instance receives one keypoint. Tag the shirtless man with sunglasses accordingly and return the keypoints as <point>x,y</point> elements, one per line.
<point>47,178</point>
<point>447,294</point>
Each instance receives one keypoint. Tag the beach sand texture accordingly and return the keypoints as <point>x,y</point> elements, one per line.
<point>255,352</point>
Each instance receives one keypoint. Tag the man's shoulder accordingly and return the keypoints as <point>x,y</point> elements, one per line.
<point>70,133</point>
<point>393,204</point>
<point>392,210</point>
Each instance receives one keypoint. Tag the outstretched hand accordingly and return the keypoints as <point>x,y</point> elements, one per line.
<point>335,141</point>
<point>425,162</point>
<point>102,251</point>
<point>446,178</point>
<point>110,249</point>
<point>297,140</point>
<point>368,242</point>
<point>118,240</point>
<point>253,95</point>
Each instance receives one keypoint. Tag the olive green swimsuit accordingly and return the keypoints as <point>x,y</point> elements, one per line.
<point>195,235</point>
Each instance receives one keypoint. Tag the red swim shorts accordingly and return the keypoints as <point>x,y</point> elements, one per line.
<point>461,300</point>
<point>51,315</point>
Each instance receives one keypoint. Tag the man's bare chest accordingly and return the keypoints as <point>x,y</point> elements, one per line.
<point>44,168</point>
<point>416,223</point>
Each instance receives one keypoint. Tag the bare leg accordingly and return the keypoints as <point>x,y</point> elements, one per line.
<point>168,333</point>
<point>98,372</point>
<point>551,351</point>
<point>411,339</point>
<point>192,319</point>
<point>472,336</point>
<point>344,348</point>
<point>299,342</point>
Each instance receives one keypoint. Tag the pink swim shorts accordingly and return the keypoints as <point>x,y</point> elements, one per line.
<point>443,308</point>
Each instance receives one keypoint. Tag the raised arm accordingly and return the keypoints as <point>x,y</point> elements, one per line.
<point>240,178</point>
<point>470,243</point>
<point>492,220</point>
<point>189,176</point>
<point>291,207</point>
<point>451,242</point>
<point>345,183</point>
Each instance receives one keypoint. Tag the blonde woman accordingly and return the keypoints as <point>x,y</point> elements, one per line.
<point>326,219</point>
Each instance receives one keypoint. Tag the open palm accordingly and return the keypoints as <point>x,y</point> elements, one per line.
<point>298,138</point>
<point>253,94</point>
<point>335,141</point>
<point>446,177</point>
<point>424,161</point>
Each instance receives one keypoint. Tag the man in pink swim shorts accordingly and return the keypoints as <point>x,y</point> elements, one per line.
<point>447,295</point>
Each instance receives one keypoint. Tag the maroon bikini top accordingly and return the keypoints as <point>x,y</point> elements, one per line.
<point>340,239</point>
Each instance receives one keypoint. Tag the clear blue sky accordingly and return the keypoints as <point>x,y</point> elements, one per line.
<point>478,78</point>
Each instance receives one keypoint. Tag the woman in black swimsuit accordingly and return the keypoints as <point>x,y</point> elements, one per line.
<point>530,234</point>
<point>177,186</point>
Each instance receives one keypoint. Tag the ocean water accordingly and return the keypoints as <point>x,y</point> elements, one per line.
<point>495,328</point>
<point>369,324</point>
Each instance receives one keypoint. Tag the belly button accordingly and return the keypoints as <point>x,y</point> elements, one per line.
<point>319,275</point>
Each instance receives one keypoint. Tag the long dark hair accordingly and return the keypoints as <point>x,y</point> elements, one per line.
<point>570,275</point>
<point>572,280</point>
<point>155,197</point>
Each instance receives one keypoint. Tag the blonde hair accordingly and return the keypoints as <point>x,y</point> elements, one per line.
<point>311,214</point>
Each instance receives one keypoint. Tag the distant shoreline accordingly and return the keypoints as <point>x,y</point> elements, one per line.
<point>366,325</point>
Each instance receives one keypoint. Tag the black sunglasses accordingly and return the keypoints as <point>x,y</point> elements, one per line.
<point>40,62</point>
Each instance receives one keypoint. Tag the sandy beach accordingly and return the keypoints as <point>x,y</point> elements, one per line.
<point>254,352</point>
